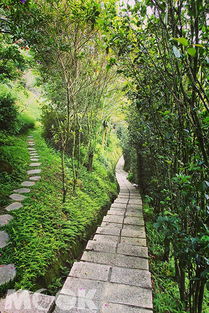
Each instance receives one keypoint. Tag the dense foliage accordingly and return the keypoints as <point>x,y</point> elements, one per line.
<point>71,58</point>
<point>162,47</point>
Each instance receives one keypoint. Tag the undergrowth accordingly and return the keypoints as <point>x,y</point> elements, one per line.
<point>45,226</point>
<point>166,293</point>
<point>14,161</point>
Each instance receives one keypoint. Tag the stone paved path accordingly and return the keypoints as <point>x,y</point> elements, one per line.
<point>8,271</point>
<point>113,273</point>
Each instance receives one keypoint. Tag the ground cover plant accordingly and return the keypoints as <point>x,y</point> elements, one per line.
<point>45,226</point>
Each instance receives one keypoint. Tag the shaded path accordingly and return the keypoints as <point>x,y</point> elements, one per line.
<point>113,274</point>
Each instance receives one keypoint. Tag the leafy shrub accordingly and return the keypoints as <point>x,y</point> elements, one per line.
<point>14,160</point>
<point>8,111</point>
<point>25,122</point>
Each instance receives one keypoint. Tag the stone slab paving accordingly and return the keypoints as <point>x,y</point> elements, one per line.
<point>4,239</point>
<point>35,178</point>
<point>17,197</point>
<point>5,219</point>
<point>24,301</point>
<point>14,206</point>
<point>32,149</point>
<point>22,190</point>
<point>27,184</point>
<point>35,164</point>
<point>31,172</point>
<point>113,273</point>
<point>7,273</point>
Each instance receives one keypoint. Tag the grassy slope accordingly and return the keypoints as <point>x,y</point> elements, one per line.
<point>44,225</point>
<point>13,151</point>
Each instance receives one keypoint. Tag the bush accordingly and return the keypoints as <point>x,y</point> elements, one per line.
<point>8,111</point>
<point>25,122</point>
<point>10,120</point>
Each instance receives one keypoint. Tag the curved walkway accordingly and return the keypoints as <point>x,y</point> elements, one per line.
<point>113,273</point>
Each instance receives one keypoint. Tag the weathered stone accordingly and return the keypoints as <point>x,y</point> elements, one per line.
<point>118,205</point>
<point>108,231</point>
<point>100,246</point>
<point>34,159</point>
<point>110,224</point>
<point>124,191</point>
<point>116,212</point>
<point>14,206</point>
<point>78,285</point>
<point>22,190</point>
<point>90,271</point>
<point>135,213</point>
<point>123,195</point>
<point>120,201</point>
<point>32,149</point>
<point>106,238</point>
<point>35,164</point>
<point>133,241</point>
<point>69,303</point>
<point>31,144</point>
<point>133,231</point>
<point>99,257</point>
<point>17,197</point>
<point>7,273</point>
<point>115,259</point>
<point>4,239</point>
<point>34,171</point>
<point>134,207</point>
<point>129,295</point>
<point>27,184</point>
<point>133,221</point>
<point>5,219</point>
<point>35,178</point>
<point>133,277</point>
<point>113,219</point>
<point>135,202</point>
<point>24,301</point>
<point>129,249</point>
<point>118,209</point>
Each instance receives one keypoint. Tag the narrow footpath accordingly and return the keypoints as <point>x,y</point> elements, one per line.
<point>113,273</point>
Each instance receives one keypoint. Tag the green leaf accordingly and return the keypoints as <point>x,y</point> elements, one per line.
<point>182,41</point>
<point>198,45</point>
<point>191,51</point>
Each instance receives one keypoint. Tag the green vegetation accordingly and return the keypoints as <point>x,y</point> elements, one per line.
<point>88,54</point>
<point>14,159</point>
<point>44,226</point>
<point>161,46</point>
<point>166,295</point>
